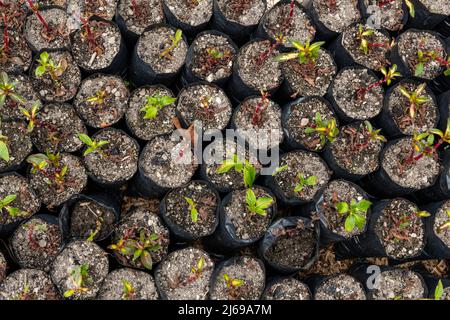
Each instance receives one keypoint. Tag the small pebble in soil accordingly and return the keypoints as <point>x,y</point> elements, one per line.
<point>340,287</point>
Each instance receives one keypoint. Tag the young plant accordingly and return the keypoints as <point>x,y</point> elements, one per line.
<point>327,129</point>
<point>31,115</point>
<point>263,104</point>
<point>4,151</point>
<point>232,283</point>
<point>93,145</point>
<point>192,209</point>
<point>35,8</point>
<point>175,40</point>
<point>353,211</point>
<point>98,228</point>
<point>279,39</point>
<point>389,75</point>
<point>215,54</point>
<point>303,182</point>
<point>5,205</point>
<point>79,276</point>
<point>197,270</point>
<point>155,103</point>
<point>374,135</point>
<point>439,290</point>
<point>279,169</point>
<point>25,294</point>
<point>49,165</point>
<point>233,163</point>
<point>363,36</point>
<point>415,98</point>
<point>257,205</point>
<point>7,90</point>
<point>98,99</point>
<point>90,36</point>
<point>428,56</point>
<point>128,292</point>
<point>398,231</point>
<point>47,65</point>
<point>306,53</point>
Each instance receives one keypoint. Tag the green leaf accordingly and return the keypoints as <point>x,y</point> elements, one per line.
<point>146,260</point>
<point>4,152</point>
<point>285,56</point>
<point>102,143</point>
<point>439,291</point>
<point>311,181</point>
<point>40,71</point>
<point>137,254</point>
<point>342,207</point>
<point>8,199</point>
<point>279,169</point>
<point>88,150</point>
<point>194,215</point>
<point>350,222</point>
<point>363,205</point>
<point>419,69</point>
<point>249,175</point>
<point>250,198</point>
<point>360,221</point>
<point>264,202</point>
<point>85,139</point>
<point>13,212</point>
<point>151,112</point>
<point>69,293</point>
<point>410,6</point>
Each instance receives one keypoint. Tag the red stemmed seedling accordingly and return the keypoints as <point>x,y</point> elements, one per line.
<point>389,75</point>
<point>35,8</point>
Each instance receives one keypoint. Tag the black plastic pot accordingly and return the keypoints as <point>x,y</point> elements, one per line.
<point>435,248</point>
<point>269,239</point>
<point>315,281</point>
<point>424,19</point>
<point>367,13</point>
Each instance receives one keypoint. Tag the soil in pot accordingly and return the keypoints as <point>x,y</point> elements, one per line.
<point>411,116</point>
<point>340,287</point>
<point>258,121</point>
<point>101,100</point>
<point>167,163</point>
<point>375,54</point>
<point>198,219</point>
<point>337,15</point>
<point>390,15</point>
<point>212,57</point>
<point>441,223</point>
<point>204,103</point>
<point>311,78</point>
<point>54,186</point>
<point>26,200</point>
<point>35,243</point>
<point>140,223</point>
<point>114,162</point>
<point>79,270</point>
<point>398,284</point>
<point>140,114</point>
<point>248,275</point>
<point>185,275</point>
<point>357,148</point>
<point>297,26</point>
<point>87,8</point>
<point>287,289</point>
<point>59,3</point>
<point>3,266</point>
<point>243,12</point>
<point>302,116</point>
<point>28,284</point>
<point>400,229</point>
<point>56,129</point>
<point>97,48</point>
<point>344,91</point>
<point>17,141</point>
<point>409,43</point>
<point>16,56</point>
<point>191,12</point>
<point>330,201</point>
<point>59,83</point>
<point>301,175</point>
<point>17,14</point>
<point>138,15</point>
<point>436,7</point>
<point>90,220</point>
<point>128,284</point>
<point>400,164</point>
<point>52,35</point>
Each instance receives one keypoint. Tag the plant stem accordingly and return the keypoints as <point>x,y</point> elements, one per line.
<point>363,91</point>
<point>384,3</point>
<point>263,56</point>
<point>256,115</point>
<point>90,35</point>
<point>291,9</point>
<point>35,8</point>
<point>435,147</point>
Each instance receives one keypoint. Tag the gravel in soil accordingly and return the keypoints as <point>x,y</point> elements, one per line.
<point>18,142</point>
<point>142,284</point>
<point>418,175</point>
<point>437,7</point>
<point>206,201</point>
<point>302,116</point>
<point>355,151</point>
<point>426,114</point>
<point>28,284</point>
<point>344,90</point>
<point>212,57</point>
<point>298,27</point>
<point>102,100</point>
<point>65,87</point>
<point>261,129</point>
<point>378,47</point>
<point>153,43</point>
<point>398,284</point>
<point>337,15</point>
<point>310,79</point>
<point>255,72</point>
<point>76,255</point>
<point>116,161</point>
<point>400,230</point>
<point>101,52</point>
<point>339,191</point>
<point>179,277</point>
<point>129,228</point>
<point>442,219</point>
<point>243,12</point>
<point>3,267</point>
<point>409,43</point>
<point>191,12</point>
<point>89,218</point>
<point>36,243</point>
<point>56,37</point>
<point>304,164</point>
<point>102,8</point>
<point>340,287</point>
<point>247,225</point>
<point>57,128</point>
<point>168,163</point>
<point>26,200</point>
<point>245,268</point>
<point>18,58</point>
<point>205,103</point>
<point>17,16</point>
<point>389,16</point>
<point>145,13</point>
<point>147,129</point>
<point>51,193</point>
<point>287,289</point>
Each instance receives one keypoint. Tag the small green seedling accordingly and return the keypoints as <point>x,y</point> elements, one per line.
<point>4,151</point>
<point>362,35</point>
<point>374,135</point>
<point>354,211</point>
<point>12,211</point>
<point>31,115</point>
<point>98,99</point>
<point>389,75</point>
<point>98,228</point>
<point>232,283</point>
<point>439,290</point>
<point>257,205</point>
<point>192,209</point>
<point>39,162</point>
<point>47,65</point>
<point>303,182</point>
<point>415,98</point>
<point>128,291</point>
<point>215,54</point>
<point>93,145</point>
<point>80,279</point>
<point>305,53</point>
<point>198,269</point>
<point>327,129</point>
<point>427,56</point>
<point>7,90</point>
<point>279,169</point>
<point>175,40</point>
<point>155,103</point>
<point>233,163</point>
